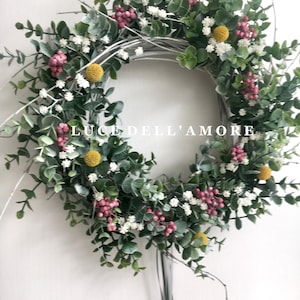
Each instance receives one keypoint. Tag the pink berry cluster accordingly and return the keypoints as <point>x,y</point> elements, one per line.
<point>251,90</point>
<point>209,197</point>
<point>193,2</point>
<point>56,63</point>
<point>243,31</point>
<point>122,16</point>
<point>237,154</point>
<point>159,220</point>
<point>62,130</point>
<point>105,208</point>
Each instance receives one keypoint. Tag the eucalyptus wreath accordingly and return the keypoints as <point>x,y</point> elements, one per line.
<point>103,182</point>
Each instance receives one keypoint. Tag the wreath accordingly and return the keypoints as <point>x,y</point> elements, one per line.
<point>103,182</point>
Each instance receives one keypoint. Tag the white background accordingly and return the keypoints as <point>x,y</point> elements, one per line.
<point>41,257</point>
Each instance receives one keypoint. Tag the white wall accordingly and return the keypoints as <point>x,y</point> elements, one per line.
<point>41,257</point>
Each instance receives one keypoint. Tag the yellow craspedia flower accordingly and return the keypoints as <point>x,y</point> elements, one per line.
<point>203,236</point>
<point>92,158</point>
<point>221,33</point>
<point>265,173</point>
<point>94,73</point>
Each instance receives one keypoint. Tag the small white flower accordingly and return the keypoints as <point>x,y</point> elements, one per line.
<point>226,194</point>
<point>123,54</point>
<point>210,48</point>
<point>204,2</point>
<point>58,108</point>
<point>222,48</point>
<point>113,167</point>
<point>245,161</point>
<point>70,149</point>
<point>208,22</point>
<point>187,209</point>
<point>92,177</point>
<point>60,84</point>
<point>187,195</point>
<point>252,102</point>
<point>244,202</point>
<point>139,51</point>
<point>153,10</point>
<point>140,227</point>
<point>162,14</point>
<point>98,196</point>
<point>203,206</point>
<point>86,49</point>
<point>238,190</point>
<point>143,22</point>
<point>124,228</point>
<point>244,43</point>
<point>131,219</point>
<point>85,42</point>
<point>105,39</point>
<point>43,110</point>
<point>66,163</point>
<point>126,2</point>
<point>222,168</point>
<point>145,2</point>
<point>174,202</point>
<point>68,96</point>
<point>43,93</point>
<point>63,43</point>
<point>93,38</point>
<point>242,112</point>
<point>82,82</point>
<point>62,155</point>
<point>206,30</point>
<point>231,167</point>
<point>77,39</point>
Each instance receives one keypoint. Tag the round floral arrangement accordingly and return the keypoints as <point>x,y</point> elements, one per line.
<point>103,182</point>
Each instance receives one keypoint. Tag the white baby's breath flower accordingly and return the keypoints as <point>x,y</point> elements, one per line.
<point>204,2</point>
<point>68,96</point>
<point>174,202</point>
<point>162,14</point>
<point>245,161</point>
<point>187,195</point>
<point>242,112</point>
<point>70,149</point>
<point>86,49</point>
<point>244,201</point>
<point>143,22</point>
<point>43,93</point>
<point>92,37</point>
<point>153,10</point>
<point>131,219</point>
<point>123,54</point>
<point>244,43</point>
<point>208,22</point>
<point>187,209</point>
<point>63,43</point>
<point>210,48</point>
<point>105,39</point>
<point>124,228</point>
<point>145,2</point>
<point>62,155</point>
<point>60,84</point>
<point>226,194</point>
<point>139,51</point>
<point>82,82</point>
<point>222,48</point>
<point>113,167</point>
<point>43,110</point>
<point>77,39</point>
<point>206,30</point>
<point>86,42</point>
<point>98,196</point>
<point>58,108</point>
<point>126,2</point>
<point>92,177</point>
<point>203,206</point>
<point>238,190</point>
<point>66,163</point>
<point>231,167</point>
